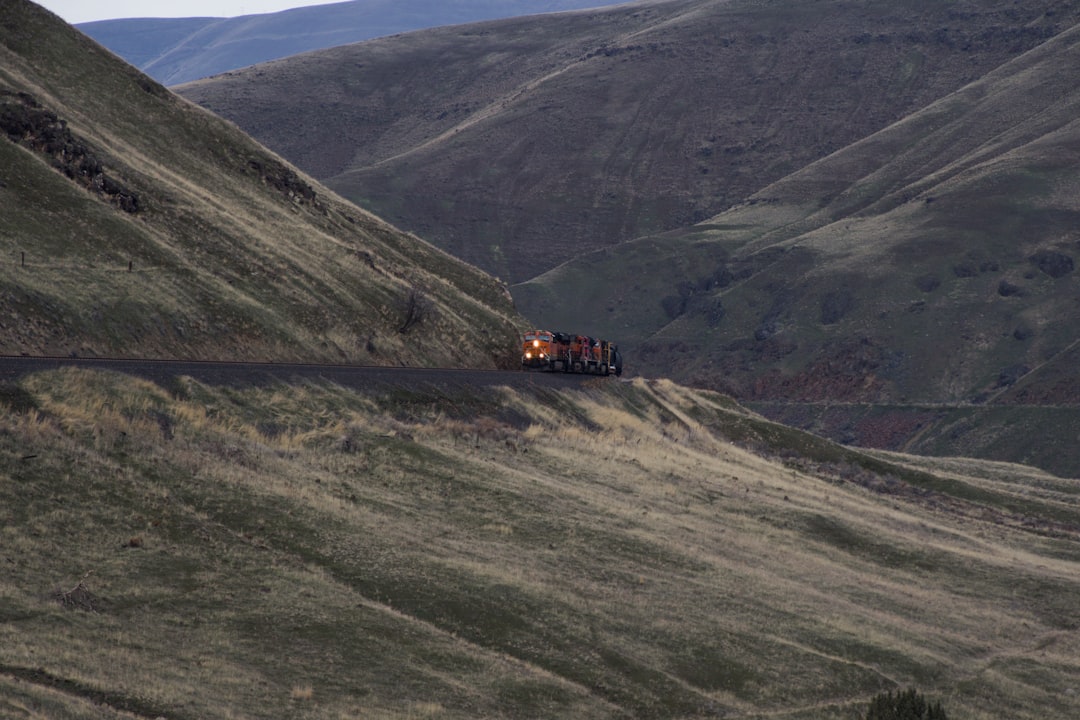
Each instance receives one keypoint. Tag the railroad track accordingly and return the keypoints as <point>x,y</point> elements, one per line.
<point>359,377</point>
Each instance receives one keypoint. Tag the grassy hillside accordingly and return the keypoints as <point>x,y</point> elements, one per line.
<point>177,50</point>
<point>886,194</point>
<point>610,550</point>
<point>616,550</point>
<point>522,143</point>
<point>932,262</point>
<point>137,224</point>
<point>1040,436</point>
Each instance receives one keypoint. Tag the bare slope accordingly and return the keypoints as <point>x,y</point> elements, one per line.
<point>136,223</point>
<point>177,50</point>
<point>521,143</point>
<point>608,552</point>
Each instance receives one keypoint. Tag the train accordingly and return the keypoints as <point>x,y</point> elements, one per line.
<point>545,350</point>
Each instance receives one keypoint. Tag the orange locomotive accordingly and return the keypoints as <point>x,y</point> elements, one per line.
<point>543,350</point>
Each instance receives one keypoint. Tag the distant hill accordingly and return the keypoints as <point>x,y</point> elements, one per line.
<point>137,224</point>
<point>176,50</point>
<point>933,263</point>
<point>935,260</point>
<point>521,143</point>
<point>850,204</point>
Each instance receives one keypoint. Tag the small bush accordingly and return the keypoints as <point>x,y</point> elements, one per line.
<point>835,305</point>
<point>928,283</point>
<point>1007,289</point>
<point>416,308</point>
<point>966,269</point>
<point>1054,264</point>
<point>906,705</point>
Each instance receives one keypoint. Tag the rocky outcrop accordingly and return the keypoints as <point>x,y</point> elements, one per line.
<point>26,122</point>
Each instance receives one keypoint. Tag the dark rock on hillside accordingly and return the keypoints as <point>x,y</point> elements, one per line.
<point>285,180</point>
<point>26,122</point>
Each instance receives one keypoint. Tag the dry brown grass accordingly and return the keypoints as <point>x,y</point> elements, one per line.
<point>592,553</point>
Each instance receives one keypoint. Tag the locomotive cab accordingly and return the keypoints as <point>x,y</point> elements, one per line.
<point>536,352</point>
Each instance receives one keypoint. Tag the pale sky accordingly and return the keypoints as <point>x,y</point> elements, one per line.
<point>80,11</point>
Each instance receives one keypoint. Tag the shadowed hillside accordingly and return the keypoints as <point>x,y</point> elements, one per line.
<point>522,143</point>
<point>933,262</point>
<point>176,50</point>
<point>136,223</point>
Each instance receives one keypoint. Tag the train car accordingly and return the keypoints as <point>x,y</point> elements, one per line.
<point>545,350</point>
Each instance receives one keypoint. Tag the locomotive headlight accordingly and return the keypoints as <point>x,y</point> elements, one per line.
<point>536,343</point>
<point>528,356</point>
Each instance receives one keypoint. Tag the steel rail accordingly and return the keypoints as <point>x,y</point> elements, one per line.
<point>248,373</point>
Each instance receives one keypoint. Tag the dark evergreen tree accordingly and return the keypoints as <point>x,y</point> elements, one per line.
<point>905,705</point>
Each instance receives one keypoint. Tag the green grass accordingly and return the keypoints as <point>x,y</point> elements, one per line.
<point>231,254</point>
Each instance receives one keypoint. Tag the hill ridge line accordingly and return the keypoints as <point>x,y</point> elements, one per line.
<point>492,109</point>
